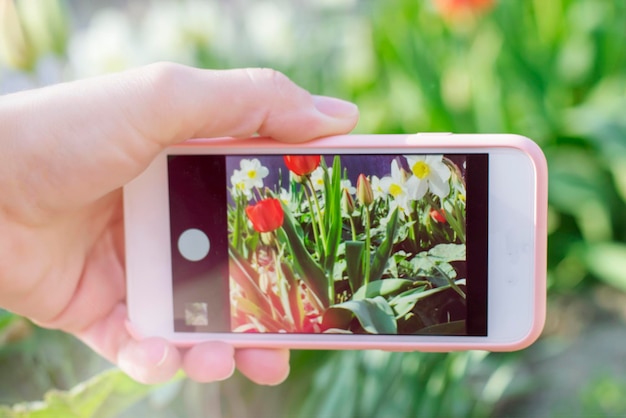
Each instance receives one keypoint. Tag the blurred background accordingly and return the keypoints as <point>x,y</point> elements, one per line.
<point>554,71</point>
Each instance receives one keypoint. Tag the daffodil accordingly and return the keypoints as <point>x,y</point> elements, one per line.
<point>317,178</point>
<point>347,186</point>
<point>401,189</point>
<point>250,175</point>
<point>240,187</point>
<point>431,174</point>
<point>377,188</point>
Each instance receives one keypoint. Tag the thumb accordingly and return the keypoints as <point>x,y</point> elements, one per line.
<point>90,137</point>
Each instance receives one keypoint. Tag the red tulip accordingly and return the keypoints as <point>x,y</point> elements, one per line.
<point>302,164</point>
<point>267,215</point>
<point>438,215</point>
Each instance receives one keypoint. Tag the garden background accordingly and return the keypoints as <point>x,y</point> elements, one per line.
<point>554,71</point>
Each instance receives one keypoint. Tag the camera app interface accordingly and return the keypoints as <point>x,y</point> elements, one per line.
<point>343,244</point>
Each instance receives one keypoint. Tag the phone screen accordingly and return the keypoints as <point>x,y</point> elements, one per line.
<point>342,244</point>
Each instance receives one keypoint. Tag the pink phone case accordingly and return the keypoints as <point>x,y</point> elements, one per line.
<point>421,140</point>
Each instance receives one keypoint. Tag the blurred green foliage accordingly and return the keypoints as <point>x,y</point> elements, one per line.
<point>554,71</point>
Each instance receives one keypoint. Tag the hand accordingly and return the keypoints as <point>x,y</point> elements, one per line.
<point>65,153</point>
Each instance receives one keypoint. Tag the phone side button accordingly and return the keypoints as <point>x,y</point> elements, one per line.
<point>416,139</point>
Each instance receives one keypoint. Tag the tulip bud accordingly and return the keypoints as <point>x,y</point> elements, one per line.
<point>347,203</point>
<point>364,191</point>
<point>438,215</point>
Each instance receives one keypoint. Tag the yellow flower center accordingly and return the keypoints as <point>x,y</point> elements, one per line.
<point>252,174</point>
<point>421,169</point>
<point>395,190</point>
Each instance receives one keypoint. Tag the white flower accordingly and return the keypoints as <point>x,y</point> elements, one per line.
<point>431,173</point>
<point>317,178</point>
<point>347,185</point>
<point>377,188</point>
<point>249,176</point>
<point>240,186</point>
<point>286,198</point>
<point>401,189</point>
<point>253,172</point>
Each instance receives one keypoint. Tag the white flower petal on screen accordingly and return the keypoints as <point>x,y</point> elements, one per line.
<point>431,172</point>
<point>253,172</point>
<point>438,167</point>
<point>347,185</point>
<point>377,188</point>
<point>438,186</point>
<point>317,178</point>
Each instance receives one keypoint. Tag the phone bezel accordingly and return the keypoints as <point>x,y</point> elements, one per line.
<point>517,241</point>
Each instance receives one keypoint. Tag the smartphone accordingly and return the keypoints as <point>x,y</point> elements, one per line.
<point>429,242</point>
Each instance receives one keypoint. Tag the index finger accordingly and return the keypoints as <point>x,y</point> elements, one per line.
<point>92,136</point>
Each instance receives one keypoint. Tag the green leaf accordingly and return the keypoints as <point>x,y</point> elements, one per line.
<point>381,257</point>
<point>311,273</point>
<point>405,302</point>
<point>354,264</point>
<point>296,305</point>
<point>332,214</point>
<point>375,315</point>
<point>245,276</point>
<point>386,287</point>
<point>105,395</point>
<point>448,252</point>
<point>264,317</point>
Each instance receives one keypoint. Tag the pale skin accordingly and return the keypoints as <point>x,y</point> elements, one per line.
<point>65,153</point>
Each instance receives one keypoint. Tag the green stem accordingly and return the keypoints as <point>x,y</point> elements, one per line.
<point>281,282</point>
<point>412,232</point>
<point>319,212</point>
<point>313,220</point>
<point>238,223</point>
<point>368,243</point>
<point>352,227</point>
<point>451,282</point>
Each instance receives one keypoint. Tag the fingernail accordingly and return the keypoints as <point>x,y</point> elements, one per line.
<point>232,371</point>
<point>157,353</point>
<point>334,107</point>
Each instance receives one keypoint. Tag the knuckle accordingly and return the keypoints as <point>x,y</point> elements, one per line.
<point>163,91</point>
<point>162,75</point>
<point>270,79</point>
<point>164,81</point>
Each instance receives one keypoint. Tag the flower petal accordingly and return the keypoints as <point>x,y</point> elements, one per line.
<point>439,186</point>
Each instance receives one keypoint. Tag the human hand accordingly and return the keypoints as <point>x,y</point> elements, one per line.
<point>65,153</point>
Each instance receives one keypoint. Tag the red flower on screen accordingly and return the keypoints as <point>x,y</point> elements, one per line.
<point>438,215</point>
<point>267,215</point>
<point>302,164</point>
